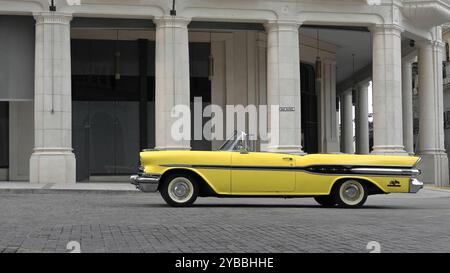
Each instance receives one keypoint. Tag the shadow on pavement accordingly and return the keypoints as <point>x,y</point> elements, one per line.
<point>237,206</point>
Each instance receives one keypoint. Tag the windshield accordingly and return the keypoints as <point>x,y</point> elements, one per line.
<point>235,143</point>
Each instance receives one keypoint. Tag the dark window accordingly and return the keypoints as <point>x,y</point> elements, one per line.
<point>99,75</point>
<point>200,86</point>
<point>447,51</point>
<point>4,134</point>
<point>310,125</point>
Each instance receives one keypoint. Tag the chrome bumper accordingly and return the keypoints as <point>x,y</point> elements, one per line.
<point>146,182</point>
<point>415,185</point>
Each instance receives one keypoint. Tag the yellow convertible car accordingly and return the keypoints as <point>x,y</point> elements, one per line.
<point>234,171</point>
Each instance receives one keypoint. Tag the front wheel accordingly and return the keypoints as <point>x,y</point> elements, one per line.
<point>179,190</point>
<point>350,193</point>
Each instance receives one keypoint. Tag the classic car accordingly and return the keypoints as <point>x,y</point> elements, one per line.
<point>234,171</point>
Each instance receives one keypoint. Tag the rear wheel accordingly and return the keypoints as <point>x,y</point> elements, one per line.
<point>325,200</point>
<point>350,193</point>
<point>179,190</point>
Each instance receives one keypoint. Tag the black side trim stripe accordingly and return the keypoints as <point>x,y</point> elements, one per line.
<point>318,169</point>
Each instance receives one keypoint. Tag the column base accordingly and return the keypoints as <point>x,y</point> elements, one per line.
<point>297,150</point>
<point>389,150</point>
<point>435,169</point>
<point>4,174</point>
<point>53,166</point>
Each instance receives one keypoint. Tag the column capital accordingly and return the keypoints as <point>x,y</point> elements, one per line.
<point>438,44</point>
<point>52,18</point>
<point>432,43</point>
<point>364,84</point>
<point>386,29</point>
<point>283,25</point>
<point>172,21</point>
<point>329,61</point>
<point>409,59</point>
<point>347,92</point>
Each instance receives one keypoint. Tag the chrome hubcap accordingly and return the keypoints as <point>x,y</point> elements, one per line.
<point>180,189</point>
<point>352,192</point>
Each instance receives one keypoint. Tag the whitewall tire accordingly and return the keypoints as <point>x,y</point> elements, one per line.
<point>179,190</point>
<point>350,193</point>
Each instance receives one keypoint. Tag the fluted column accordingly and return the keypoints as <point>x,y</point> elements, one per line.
<point>347,122</point>
<point>434,164</point>
<point>52,160</point>
<point>407,106</point>
<point>328,125</point>
<point>171,81</point>
<point>283,85</point>
<point>387,90</point>
<point>362,118</point>
<point>341,125</point>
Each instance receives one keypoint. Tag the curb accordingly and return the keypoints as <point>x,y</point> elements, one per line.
<point>62,191</point>
<point>437,189</point>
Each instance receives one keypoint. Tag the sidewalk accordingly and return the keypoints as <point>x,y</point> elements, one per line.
<point>434,188</point>
<point>83,187</point>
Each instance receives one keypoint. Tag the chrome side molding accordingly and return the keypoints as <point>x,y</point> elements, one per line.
<point>387,171</point>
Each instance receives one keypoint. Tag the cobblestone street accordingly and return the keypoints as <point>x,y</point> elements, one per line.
<point>138,222</point>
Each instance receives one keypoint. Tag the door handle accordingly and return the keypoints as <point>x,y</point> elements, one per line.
<point>288,158</point>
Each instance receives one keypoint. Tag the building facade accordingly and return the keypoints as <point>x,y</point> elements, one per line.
<point>85,85</point>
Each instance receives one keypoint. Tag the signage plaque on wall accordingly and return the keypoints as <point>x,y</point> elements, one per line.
<point>287,109</point>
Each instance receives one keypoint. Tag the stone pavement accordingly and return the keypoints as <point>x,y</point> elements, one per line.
<point>131,221</point>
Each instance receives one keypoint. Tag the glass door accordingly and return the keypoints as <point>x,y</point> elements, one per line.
<point>110,95</point>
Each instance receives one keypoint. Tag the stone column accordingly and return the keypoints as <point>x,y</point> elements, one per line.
<point>434,164</point>
<point>172,81</point>
<point>341,125</point>
<point>283,86</point>
<point>347,121</point>
<point>328,126</point>
<point>387,90</point>
<point>407,106</point>
<point>362,118</point>
<point>52,160</point>
<point>355,100</point>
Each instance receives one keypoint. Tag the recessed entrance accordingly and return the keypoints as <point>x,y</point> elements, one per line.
<point>310,122</point>
<point>113,105</point>
<point>4,139</point>
<point>200,87</point>
<point>113,93</point>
